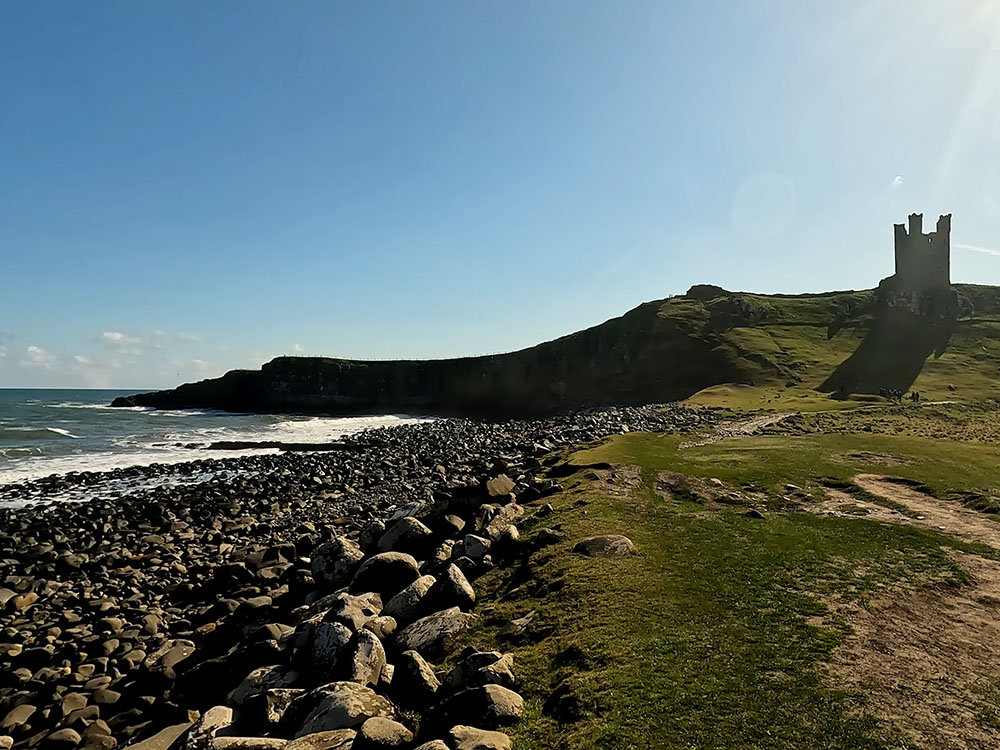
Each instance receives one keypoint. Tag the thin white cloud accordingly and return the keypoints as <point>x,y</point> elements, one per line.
<point>81,360</point>
<point>3,352</point>
<point>897,182</point>
<point>201,365</point>
<point>119,338</point>
<point>297,349</point>
<point>38,357</point>
<point>184,336</point>
<point>978,249</point>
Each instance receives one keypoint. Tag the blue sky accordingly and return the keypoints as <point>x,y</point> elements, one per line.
<point>190,187</point>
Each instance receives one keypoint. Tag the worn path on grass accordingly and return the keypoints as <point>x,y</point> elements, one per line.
<point>950,517</point>
<point>737,428</point>
<point>926,662</point>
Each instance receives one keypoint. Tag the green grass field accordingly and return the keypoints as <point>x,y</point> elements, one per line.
<point>768,462</point>
<point>708,637</point>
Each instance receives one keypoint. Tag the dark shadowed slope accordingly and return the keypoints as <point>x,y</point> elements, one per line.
<point>661,351</point>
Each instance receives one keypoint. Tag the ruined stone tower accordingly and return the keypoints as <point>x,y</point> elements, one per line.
<point>922,282</point>
<point>923,260</point>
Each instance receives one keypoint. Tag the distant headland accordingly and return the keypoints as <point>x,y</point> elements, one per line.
<point>840,343</point>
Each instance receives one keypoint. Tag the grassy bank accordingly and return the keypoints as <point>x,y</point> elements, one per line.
<point>716,633</point>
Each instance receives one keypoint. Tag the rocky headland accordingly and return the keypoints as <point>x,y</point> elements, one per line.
<point>841,342</point>
<point>641,357</point>
<point>299,600</point>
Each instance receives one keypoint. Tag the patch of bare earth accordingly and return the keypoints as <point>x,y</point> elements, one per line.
<point>737,428</point>
<point>620,481</point>
<point>839,503</point>
<point>671,485</point>
<point>950,517</point>
<point>920,660</point>
<point>712,493</point>
<point>868,457</point>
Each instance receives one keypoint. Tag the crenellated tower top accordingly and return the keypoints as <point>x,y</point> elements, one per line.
<point>923,260</point>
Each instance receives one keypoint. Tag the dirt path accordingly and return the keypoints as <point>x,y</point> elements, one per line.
<point>950,517</point>
<point>928,663</point>
<point>737,428</point>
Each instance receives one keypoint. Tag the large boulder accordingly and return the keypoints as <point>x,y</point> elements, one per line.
<point>480,668</point>
<point>407,605</point>
<point>337,705</point>
<point>489,706</point>
<point>363,659</point>
<point>414,683</point>
<point>336,739</point>
<point>259,682</point>
<point>452,589</point>
<point>505,516</point>
<point>326,642</point>
<point>169,656</point>
<point>334,563</point>
<point>475,546</point>
<point>470,738</point>
<point>607,545</point>
<point>165,739</point>
<point>432,635</point>
<point>408,534</point>
<point>382,626</point>
<point>248,743</point>
<point>352,611</point>
<point>387,573</point>
<point>370,533</point>
<point>500,486</point>
<point>273,705</point>
<point>203,731</point>
<point>379,733</point>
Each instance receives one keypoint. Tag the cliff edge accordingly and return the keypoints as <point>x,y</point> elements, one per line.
<point>660,351</point>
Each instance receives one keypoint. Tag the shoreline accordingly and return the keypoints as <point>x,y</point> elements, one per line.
<point>126,614</point>
<point>56,445</point>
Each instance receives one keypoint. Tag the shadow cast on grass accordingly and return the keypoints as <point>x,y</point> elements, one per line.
<point>891,356</point>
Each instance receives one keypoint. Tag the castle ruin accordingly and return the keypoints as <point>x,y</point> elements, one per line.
<point>922,260</point>
<point>922,282</point>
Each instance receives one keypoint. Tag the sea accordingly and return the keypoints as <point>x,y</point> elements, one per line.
<point>57,431</point>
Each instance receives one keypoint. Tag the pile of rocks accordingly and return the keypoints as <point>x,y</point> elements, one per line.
<point>353,665</point>
<point>302,598</point>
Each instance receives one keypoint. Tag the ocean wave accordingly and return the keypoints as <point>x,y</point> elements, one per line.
<point>20,434</point>
<point>63,432</point>
<point>29,468</point>
<point>80,405</point>
<point>189,412</point>
<point>21,452</point>
<point>167,447</point>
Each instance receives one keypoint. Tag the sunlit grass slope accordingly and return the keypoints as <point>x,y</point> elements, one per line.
<point>708,637</point>
<point>787,346</point>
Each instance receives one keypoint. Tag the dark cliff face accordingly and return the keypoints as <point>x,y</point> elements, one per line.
<point>660,351</point>
<point>641,357</point>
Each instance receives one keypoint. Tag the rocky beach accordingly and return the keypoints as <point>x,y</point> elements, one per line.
<point>305,599</point>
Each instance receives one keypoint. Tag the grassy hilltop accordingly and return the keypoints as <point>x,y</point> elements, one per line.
<point>719,347</point>
<point>817,573</point>
<point>787,347</point>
